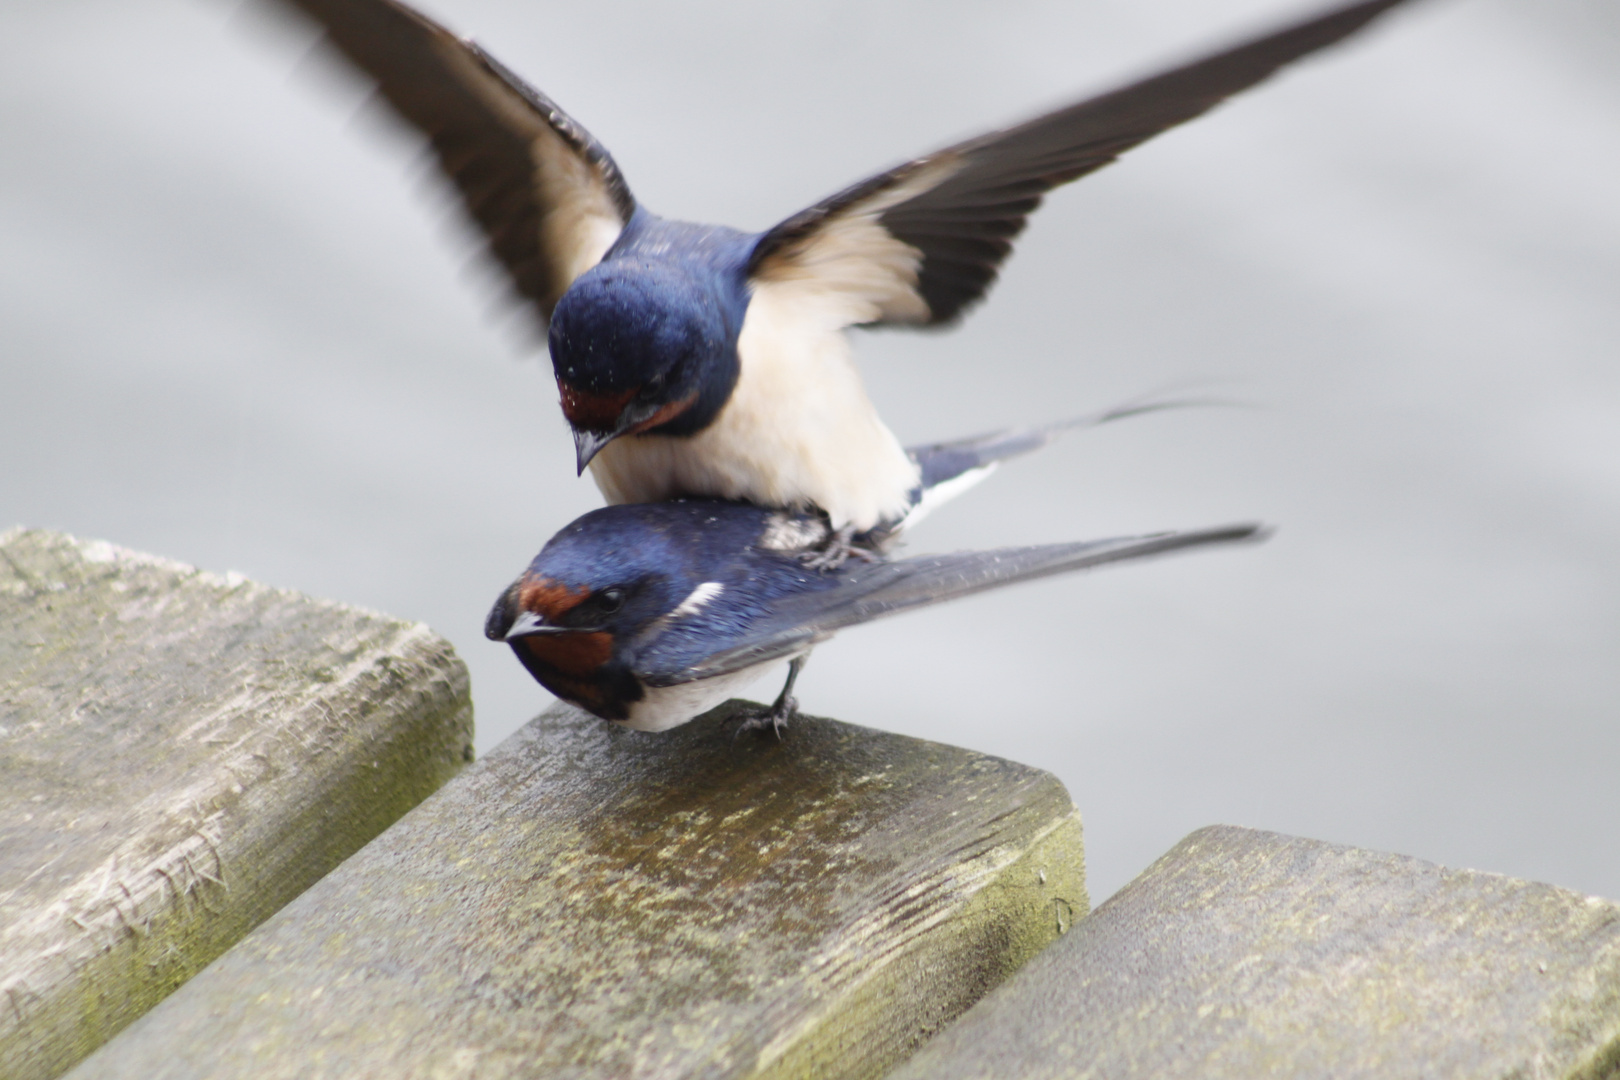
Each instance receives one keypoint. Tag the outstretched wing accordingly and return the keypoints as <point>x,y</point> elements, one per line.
<point>872,591</point>
<point>548,197</point>
<point>921,242</point>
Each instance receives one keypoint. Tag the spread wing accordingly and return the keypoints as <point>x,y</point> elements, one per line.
<point>548,197</point>
<point>872,591</point>
<point>920,243</point>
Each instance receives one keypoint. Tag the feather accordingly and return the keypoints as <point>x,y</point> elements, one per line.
<point>923,241</point>
<point>876,590</point>
<point>547,196</point>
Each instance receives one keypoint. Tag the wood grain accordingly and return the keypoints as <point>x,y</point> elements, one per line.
<point>594,902</point>
<point>181,755</point>
<point>1242,954</point>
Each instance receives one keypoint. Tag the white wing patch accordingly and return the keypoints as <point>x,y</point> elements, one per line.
<point>583,221</point>
<point>850,269</point>
<point>697,599</point>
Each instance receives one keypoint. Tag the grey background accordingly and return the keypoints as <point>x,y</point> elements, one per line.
<point>239,326</point>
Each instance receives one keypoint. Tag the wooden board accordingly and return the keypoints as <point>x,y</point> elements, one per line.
<point>1242,954</point>
<point>593,902</point>
<point>183,754</point>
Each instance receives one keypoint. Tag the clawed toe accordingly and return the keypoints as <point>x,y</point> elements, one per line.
<point>839,548</point>
<point>783,709</point>
<point>774,718</point>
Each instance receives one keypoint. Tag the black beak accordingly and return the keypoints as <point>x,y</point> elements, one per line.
<point>528,623</point>
<point>507,621</point>
<point>587,444</point>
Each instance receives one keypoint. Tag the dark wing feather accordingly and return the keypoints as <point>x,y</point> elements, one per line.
<point>960,208</point>
<point>874,590</point>
<point>547,195</point>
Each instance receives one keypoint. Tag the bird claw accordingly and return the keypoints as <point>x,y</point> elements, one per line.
<point>838,549</point>
<point>775,718</point>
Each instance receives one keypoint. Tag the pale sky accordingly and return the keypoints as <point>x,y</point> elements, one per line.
<point>239,327</point>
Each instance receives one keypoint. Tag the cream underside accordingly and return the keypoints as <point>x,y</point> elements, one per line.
<point>799,430</point>
<point>665,707</point>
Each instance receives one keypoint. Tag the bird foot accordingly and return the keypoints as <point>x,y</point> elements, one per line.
<point>774,718</point>
<point>838,549</point>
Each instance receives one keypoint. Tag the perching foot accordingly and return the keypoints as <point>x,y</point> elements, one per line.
<point>784,709</point>
<point>774,718</point>
<point>838,549</point>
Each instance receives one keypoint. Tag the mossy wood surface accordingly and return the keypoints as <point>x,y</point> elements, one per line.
<point>1243,954</point>
<point>592,902</point>
<point>182,754</point>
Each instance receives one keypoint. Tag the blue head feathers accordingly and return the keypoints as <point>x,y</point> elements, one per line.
<point>641,344</point>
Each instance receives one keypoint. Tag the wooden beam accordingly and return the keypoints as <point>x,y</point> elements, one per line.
<point>594,902</point>
<point>1242,954</point>
<point>181,755</point>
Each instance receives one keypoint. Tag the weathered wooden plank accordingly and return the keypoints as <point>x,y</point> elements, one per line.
<point>593,902</point>
<point>182,754</point>
<point>1243,954</point>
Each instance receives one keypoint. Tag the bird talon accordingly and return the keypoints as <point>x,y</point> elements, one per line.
<point>776,717</point>
<point>838,549</point>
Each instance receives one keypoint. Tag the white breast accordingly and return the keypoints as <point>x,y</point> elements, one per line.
<point>799,430</point>
<point>664,707</point>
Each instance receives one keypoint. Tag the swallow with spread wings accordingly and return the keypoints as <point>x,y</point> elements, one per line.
<point>699,360</point>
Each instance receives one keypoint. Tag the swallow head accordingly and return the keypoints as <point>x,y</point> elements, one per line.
<point>643,345</point>
<point>576,614</point>
<point>569,637</point>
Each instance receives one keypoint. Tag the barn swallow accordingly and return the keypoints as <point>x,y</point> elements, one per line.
<point>700,360</point>
<point>650,614</point>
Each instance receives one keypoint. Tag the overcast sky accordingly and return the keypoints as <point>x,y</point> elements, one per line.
<point>241,327</point>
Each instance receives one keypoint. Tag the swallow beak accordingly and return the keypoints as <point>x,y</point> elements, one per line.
<point>528,623</point>
<point>507,622</point>
<point>587,444</point>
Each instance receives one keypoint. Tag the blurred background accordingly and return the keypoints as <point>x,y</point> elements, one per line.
<point>241,326</point>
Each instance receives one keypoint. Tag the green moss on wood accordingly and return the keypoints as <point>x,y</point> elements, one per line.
<point>1243,953</point>
<point>184,754</point>
<point>588,901</point>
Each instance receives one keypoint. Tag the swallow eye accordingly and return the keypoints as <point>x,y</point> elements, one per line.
<point>610,600</point>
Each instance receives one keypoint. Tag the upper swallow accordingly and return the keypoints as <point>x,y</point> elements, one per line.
<point>701,360</point>
<point>652,613</point>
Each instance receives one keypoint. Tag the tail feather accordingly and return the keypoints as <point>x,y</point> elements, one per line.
<point>950,468</point>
